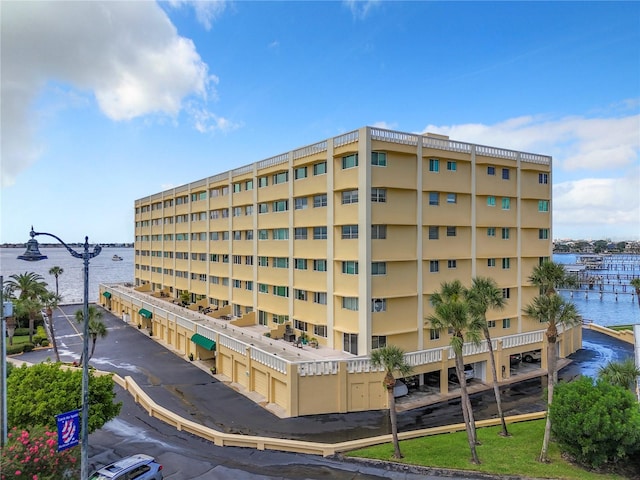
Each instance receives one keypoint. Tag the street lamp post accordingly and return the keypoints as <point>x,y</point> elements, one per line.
<point>6,310</point>
<point>33,254</point>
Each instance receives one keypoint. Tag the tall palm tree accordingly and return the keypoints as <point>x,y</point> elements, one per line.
<point>51,302</point>
<point>56,272</point>
<point>97,328</point>
<point>622,374</point>
<point>635,283</point>
<point>550,275</point>
<point>31,286</point>
<point>483,295</point>
<point>555,311</point>
<point>452,312</point>
<point>391,358</point>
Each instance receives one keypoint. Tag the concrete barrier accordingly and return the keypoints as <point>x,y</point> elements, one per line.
<point>222,439</point>
<point>624,335</point>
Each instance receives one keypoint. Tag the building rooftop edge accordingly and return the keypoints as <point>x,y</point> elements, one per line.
<point>429,139</point>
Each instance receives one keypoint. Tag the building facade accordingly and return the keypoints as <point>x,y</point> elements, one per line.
<point>343,241</point>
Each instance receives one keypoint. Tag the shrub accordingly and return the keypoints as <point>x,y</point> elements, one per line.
<point>596,423</point>
<point>33,454</point>
<point>44,343</point>
<point>21,332</point>
<point>15,349</point>
<point>27,347</point>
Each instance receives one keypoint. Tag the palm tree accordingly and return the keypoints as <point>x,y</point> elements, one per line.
<point>550,275</point>
<point>391,358</point>
<point>484,294</point>
<point>31,287</point>
<point>51,302</point>
<point>56,272</point>
<point>622,374</point>
<point>97,328</point>
<point>555,311</point>
<point>452,312</point>
<point>635,283</point>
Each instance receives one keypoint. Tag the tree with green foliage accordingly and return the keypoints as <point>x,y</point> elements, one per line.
<point>635,283</point>
<point>552,309</point>
<point>51,301</point>
<point>451,311</point>
<point>31,286</point>
<point>56,272</point>
<point>483,295</point>
<point>596,423</point>
<point>622,374</point>
<point>97,328</point>
<point>391,359</point>
<point>36,394</point>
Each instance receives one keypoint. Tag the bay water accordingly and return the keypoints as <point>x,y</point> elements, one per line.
<point>606,309</point>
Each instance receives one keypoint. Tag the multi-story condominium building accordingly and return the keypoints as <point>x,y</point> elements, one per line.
<point>344,241</point>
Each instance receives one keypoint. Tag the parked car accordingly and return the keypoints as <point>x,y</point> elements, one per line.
<point>138,467</point>
<point>468,373</point>
<point>400,389</point>
<point>515,359</point>
<point>533,356</point>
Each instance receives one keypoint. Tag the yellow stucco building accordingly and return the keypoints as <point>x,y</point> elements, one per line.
<point>341,241</point>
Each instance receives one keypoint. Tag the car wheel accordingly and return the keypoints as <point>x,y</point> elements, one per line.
<point>528,358</point>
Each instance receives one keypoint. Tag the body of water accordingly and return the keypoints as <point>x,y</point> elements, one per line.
<point>102,269</point>
<point>602,309</point>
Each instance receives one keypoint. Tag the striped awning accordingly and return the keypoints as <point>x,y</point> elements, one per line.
<point>145,313</point>
<point>203,341</point>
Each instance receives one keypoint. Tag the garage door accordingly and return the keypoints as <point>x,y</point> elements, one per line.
<point>260,384</point>
<point>241,374</point>
<point>280,396</point>
<point>226,366</point>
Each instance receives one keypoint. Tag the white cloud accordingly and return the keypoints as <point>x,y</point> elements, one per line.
<point>576,143</point>
<point>128,54</point>
<point>596,167</point>
<point>360,8</point>
<point>207,11</point>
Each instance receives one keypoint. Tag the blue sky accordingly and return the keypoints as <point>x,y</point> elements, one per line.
<point>104,103</point>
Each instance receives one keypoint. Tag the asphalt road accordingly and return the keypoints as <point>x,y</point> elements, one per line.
<point>182,387</point>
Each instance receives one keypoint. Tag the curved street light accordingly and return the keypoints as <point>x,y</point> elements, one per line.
<point>32,254</point>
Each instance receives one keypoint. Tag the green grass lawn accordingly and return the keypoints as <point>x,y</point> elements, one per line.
<point>515,455</point>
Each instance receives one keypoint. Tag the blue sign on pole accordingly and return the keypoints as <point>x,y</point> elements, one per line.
<point>68,429</point>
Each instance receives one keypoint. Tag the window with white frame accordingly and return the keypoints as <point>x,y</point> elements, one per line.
<point>280,177</point>
<point>320,168</point>
<point>543,234</point>
<point>378,341</point>
<point>248,260</point>
<point>263,234</point>
<point>248,285</point>
<point>506,323</point>
<point>263,208</point>
<point>506,293</point>
<point>350,267</point>
<point>350,303</point>
<point>280,233</point>
<point>320,298</point>
<point>378,232</point>
<point>452,264</point>
<point>505,233</point>
<point>378,305</point>
<point>320,200</point>
<point>349,196</point>
<point>491,323</point>
<point>434,165</point>
<point>300,233</point>
<point>300,172</point>
<point>434,198</point>
<point>300,263</point>
<point>506,203</point>
<point>248,210</point>
<point>452,231</point>
<point>452,198</point>
<point>434,334</point>
<point>491,170</point>
<point>350,161</point>
<point>505,174</point>
<point>434,266</point>
<point>506,263</point>
<point>300,203</point>
<point>379,159</point>
<point>300,294</point>
<point>451,165</point>
<point>378,268</point>
<point>263,182</point>
<point>281,205</point>
<point>491,262</point>
<point>248,185</point>
<point>300,325</point>
<point>349,231</point>
<point>320,330</point>
<point>543,205</point>
<point>491,231</point>
<point>350,343</point>
<point>263,261</point>
<point>491,201</point>
<point>280,291</point>
<point>379,195</point>
<point>434,232</point>
<point>320,265</point>
<point>280,262</point>
<point>543,178</point>
<point>319,233</point>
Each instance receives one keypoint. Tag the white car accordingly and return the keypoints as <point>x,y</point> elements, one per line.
<point>400,389</point>
<point>469,374</point>
<point>533,356</point>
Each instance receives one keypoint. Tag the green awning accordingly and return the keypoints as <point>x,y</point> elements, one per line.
<point>203,341</point>
<point>145,313</point>
<point>106,294</point>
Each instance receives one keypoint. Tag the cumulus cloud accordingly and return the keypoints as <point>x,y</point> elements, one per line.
<point>360,8</point>
<point>127,54</point>
<point>206,11</point>
<point>596,166</point>
<point>576,143</point>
